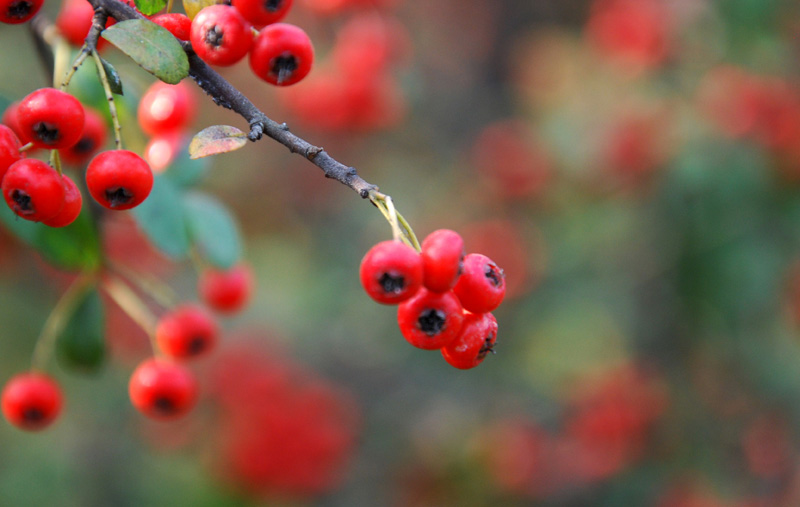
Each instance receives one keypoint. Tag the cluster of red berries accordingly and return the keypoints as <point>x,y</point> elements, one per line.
<point>444,298</point>
<point>280,54</point>
<point>52,119</point>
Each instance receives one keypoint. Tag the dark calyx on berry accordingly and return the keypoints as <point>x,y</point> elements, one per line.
<point>85,145</point>
<point>494,274</point>
<point>214,36</point>
<point>197,345</point>
<point>283,66</point>
<point>23,202</point>
<point>273,5</point>
<point>46,133</point>
<point>392,284</point>
<point>19,10</point>
<point>488,345</point>
<point>432,321</point>
<point>164,405</point>
<point>33,414</point>
<point>118,196</point>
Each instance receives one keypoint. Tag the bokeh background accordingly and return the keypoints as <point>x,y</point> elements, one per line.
<point>633,165</point>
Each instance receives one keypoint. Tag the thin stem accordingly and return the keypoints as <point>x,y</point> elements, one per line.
<point>154,288</point>
<point>55,161</point>
<point>112,106</point>
<point>169,6</point>
<point>76,64</point>
<point>60,314</point>
<point>62,53</point>
<point>401,230</point>
<point>133,306</point>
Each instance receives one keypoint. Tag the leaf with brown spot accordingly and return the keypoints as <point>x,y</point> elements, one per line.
<point>215,140</point>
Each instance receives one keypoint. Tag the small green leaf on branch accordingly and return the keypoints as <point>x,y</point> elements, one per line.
<point>151,46</point>
<point>215,140</point>
<point>150,7</point>
<point>114,81</point>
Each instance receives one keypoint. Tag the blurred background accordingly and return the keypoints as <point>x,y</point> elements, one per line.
<point>633,165</point>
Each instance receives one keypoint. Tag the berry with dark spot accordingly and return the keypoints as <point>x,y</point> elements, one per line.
<point>477,339</point>
<point>162,390</point>
<point>119,179</point>
<point>31,401</point>
<point>50,118</point>
<point>282,54</point>
<point>187,331</point>
<point>430,320</point>
<point>482,285</point>
<point>391,272</point>
<point>33,190</point>
<point>93,138</point>
<point>220,35</point>
<point>263,12</point>
<point>14,12</point>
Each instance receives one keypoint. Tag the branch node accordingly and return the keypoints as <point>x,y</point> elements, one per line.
<point>256,130</point>
<point>284,127</point>
<point>313,151</point>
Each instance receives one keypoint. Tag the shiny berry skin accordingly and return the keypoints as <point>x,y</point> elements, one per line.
<point>31,401</point>
<point>162,389</point>
<point>179,25</point>
<point>74,21</point>
<point>33,190</point>
<point>476,339</point>
<point>391,272</point>
<point>226,291</point>
<point>482,284</point>
<point>186,331</point>
<point>50,118</point>
<point>14,12</point>
<point>166,108</point>
<point>442,258</point>
<point>93,138</point>
<point>9,149</point>
<point>220,35</point>
<point>262,12</point>
<point>119,179</point>
<point>430,320</point>
<point>282,54</point>
<point>73,201</point>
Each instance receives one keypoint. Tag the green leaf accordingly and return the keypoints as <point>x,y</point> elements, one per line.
<point>162,219</point>
<point>82,345</point>
<point>150,7</point>
<point>215,140</point>
<point>74,247</point>
<point>114,81</point>
<point>152,47</point>
<point>213,230</point>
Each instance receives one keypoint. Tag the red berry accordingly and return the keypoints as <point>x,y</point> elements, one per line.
<point>442,258</point>
<point>10,120</point>
<point>226,291</point>
<point>263,12</point>
<point>391,272</point>
<point>119,179</point>
<point>74,21</point>
<point>430,320</point>
<point>220,35</point>
<point>92,139</point>
<point>31,401</point>
<point>187,331</point>
<point>482,284</point>
<point>162,390</point>
<point>166,108</point>
<point>178,24</point>
<point>50,118</point>
<point>72,205</point>
<point>33,190</point>
<point>282,54</point>
<point>162,150</point>
<point>477,338</point>
<point>9,149</point>
<point>18,11</point>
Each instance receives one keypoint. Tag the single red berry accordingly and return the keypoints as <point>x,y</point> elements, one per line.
<point>162,390</point>
<point>119,179</point>
<point>162,150</point>
<point>74,21</point>
<point>187,331</point>
<point>282,54</point>
<point>176,23</point>
<point>220,35</point>
<point>31,401</point>
<point>9,149</point>
<point>33,190</point>
<point>92,139</point>
<point>166,108</point>
<point>10,120</point>
<point>50,118</point>
<point>14,12</point>
<point>226,291</point>
<point>430,320</point>
<point>262,12</point>
<point>72,205</point>
<point>482,284</point>
<point>391,272</point>
<point>477,338</point>
<point>442,259</point>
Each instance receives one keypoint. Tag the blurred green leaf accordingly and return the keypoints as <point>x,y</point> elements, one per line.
<point>114,81</point>
<point>82,344</point>
<point>185,171</point>
<point>150,7</point>
<point>213,229</point>
<point>162,219</point>
<point>155,49</point>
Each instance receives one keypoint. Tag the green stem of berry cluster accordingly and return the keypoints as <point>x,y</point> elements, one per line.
<point>132,305</point>
<point>58,317</point>
<point>154,288</point>
<point>112,106</point>
<point>401,229</point>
